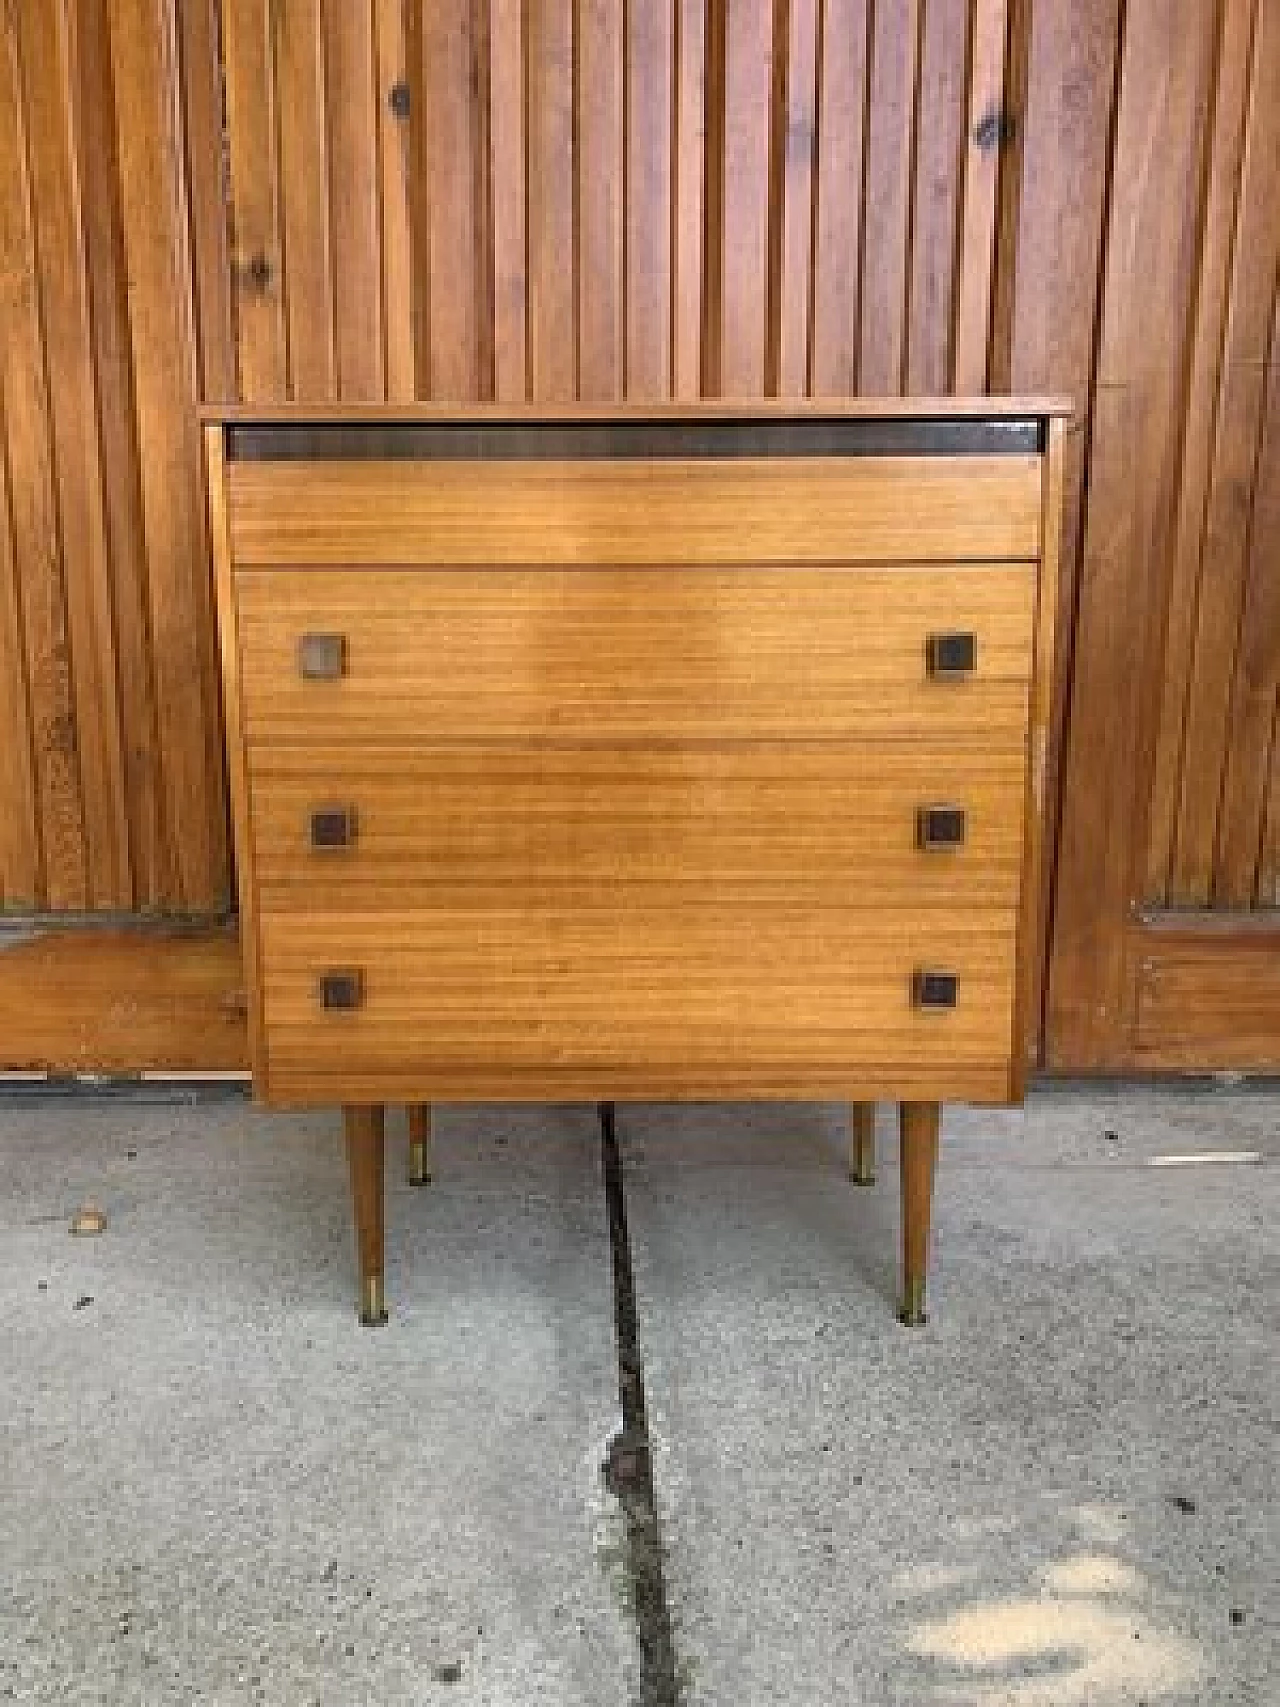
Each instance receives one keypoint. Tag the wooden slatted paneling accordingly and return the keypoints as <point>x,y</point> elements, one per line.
<point>1177,665</point>
<point>114,776</point>
<point>165,390</point>
<point>275,200</point>
<point>1166,80</point>
<point>39,661</point>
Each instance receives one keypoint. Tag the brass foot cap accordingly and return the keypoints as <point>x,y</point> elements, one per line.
<point>911,1313</point>
<point>859,1177</point>
<point>419,1168</point>
<point>373,1310</point>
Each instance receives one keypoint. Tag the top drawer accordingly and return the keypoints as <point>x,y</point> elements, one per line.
<point>698,511</point>
<point>397,656</point>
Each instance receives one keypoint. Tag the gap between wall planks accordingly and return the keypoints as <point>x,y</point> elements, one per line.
<point>603,199</point>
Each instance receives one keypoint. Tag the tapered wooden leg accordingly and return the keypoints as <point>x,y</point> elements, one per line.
<point>419,1143</point>
<point>366,1157</point>
<point>918,1124</point>
<point>862,1143</point>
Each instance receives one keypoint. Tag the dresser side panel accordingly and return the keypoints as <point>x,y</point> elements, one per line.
<point>1037,872</point>
<point>229,644</point>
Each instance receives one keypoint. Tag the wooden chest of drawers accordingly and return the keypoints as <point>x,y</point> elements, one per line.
<point>675,754</point>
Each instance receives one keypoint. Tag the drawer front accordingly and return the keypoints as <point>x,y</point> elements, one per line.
<point>665,654</point>
<point>482,990</point>
<point>703,510</point>
<point>860,826</point>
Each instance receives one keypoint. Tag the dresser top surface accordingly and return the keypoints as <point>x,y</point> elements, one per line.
<point>754,409</point>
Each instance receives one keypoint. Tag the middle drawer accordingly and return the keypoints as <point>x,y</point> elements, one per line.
<point>880,825</point>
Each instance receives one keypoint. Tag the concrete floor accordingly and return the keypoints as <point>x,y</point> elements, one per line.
<point>215,1487</point>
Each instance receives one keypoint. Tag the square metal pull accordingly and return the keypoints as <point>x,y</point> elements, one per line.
<point>341,991</point>
<point>952,656</point>
<point>333,827</point>
<point>940,827</point>
<point>322,657</point>
<point>934,989</point>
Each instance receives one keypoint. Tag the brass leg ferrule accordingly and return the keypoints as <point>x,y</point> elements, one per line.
<point>912,1314</point>
<point>862,1172</point>
<point>373,1309</point>
<point>419,1168</point>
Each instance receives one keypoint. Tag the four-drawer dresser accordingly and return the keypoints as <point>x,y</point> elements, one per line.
<point>616,754</point>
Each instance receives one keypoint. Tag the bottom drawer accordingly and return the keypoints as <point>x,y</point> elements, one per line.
<point>634,994</point>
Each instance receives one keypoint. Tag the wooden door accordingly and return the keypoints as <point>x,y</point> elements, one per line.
<point>551,199</point>
<point>1167,926</point>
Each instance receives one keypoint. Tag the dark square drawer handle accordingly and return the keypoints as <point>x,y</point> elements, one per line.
<point>322,657</point>
<point>934,989</point>
<point>333,827</point>
<point>952,657</point>
<point>341,991</point>
<point>940,827</point>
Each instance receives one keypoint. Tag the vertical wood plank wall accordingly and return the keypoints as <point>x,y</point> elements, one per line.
<point>550,199</point>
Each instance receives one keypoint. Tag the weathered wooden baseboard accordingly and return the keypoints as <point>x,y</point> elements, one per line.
<point>1207,993</point>
<point>165,997</point>
<point>94,997</point>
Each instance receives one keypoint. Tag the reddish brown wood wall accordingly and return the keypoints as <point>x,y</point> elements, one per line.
<point>307,199</point>
<point>1167,866</point>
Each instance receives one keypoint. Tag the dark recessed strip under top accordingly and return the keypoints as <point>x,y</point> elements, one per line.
<point>634,437</point>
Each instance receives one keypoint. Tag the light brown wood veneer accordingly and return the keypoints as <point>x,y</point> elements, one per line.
<point>562,771</point>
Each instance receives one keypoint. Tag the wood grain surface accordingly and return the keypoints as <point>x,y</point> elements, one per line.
<point>486,983</point>
<point>744,511</point>
<point>1037,889</point>
<point>230,650</point>
<point>1207,992</point>
<point>824,195</point>
<point>662,654</point>
<point>834,822</point>
<point>1131,638</point>
<point>122,998</point>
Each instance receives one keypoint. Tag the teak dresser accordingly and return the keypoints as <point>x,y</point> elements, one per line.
<point>680,753</point>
